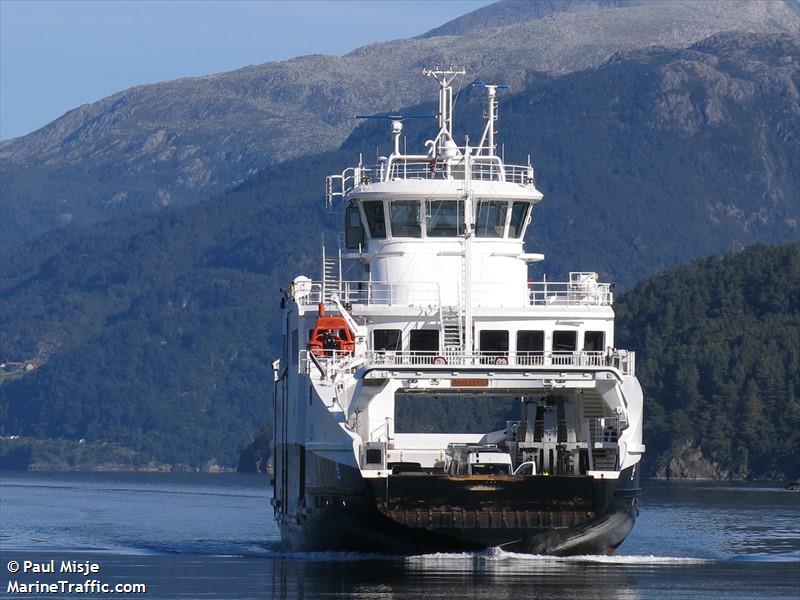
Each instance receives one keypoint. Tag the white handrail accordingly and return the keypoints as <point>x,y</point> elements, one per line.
<point>540,293</point>
<point>619,359</point>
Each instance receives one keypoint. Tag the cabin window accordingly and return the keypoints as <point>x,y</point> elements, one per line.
<point>530,341</point>
<point>445,218</point>
<point>565,341</point>
<point>373,210</point>
<point>491,219</point>
<point>519,210</point>
<point>386,339</point>
<point>594,341</point>
<point>424,340</point>
<point>530,347</point>
<point>405,219</point>
<point>494,342</point>
<point>354,229</point>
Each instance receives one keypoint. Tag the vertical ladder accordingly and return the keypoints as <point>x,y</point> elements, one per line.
<point>331,275</point>
<point>451,325</point>
<point>463,297</point>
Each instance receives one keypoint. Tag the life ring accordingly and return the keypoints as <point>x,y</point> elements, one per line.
<point>440,360</point>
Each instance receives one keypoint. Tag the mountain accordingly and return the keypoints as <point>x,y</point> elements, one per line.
<point>178,142</point>
<point>511,12</point>
<point>718,354</point>
<point>155,331</point>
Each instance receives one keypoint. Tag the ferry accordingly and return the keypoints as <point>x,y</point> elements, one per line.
<point>423,326</point>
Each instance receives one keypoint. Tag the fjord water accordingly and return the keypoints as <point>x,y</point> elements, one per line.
<point>212,536</point>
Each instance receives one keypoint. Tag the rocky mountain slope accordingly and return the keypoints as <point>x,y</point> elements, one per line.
<point>180,141</point>
<point>155,331</point>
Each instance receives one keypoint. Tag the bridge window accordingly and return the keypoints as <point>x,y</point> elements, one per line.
<point>373,210</point>
<point>405,219</point>
<point>491,221</point>
<point>565,341</point>
<point>445,218</point>
<point>519,210</point>
<point>386,339</point>
<point>424,340</point>
<point>354,229</point>
<point>594,341</point>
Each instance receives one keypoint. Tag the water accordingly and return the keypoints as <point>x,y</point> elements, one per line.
<point>212,536</point>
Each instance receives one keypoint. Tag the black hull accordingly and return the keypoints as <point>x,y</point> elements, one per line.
<point>409,515</point>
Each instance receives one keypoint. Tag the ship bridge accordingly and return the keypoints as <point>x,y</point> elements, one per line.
<point>454,216</point>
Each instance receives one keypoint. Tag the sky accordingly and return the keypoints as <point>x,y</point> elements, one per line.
<point>56,55</point>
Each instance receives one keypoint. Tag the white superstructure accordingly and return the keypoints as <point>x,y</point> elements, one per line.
<point>442,306</point>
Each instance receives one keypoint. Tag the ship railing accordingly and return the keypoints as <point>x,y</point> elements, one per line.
<point>325,364</point>
<point>482,168</point>
<point>368,293</point>
<point>539,293</point>
<point>570,293</point>
<point>618,359</point>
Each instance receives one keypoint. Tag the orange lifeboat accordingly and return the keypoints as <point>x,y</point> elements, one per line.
<point>331,336</point>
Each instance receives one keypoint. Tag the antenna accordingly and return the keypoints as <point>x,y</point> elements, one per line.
<point>445,78</point>
<point>491,113</point>
<point>397,125</point>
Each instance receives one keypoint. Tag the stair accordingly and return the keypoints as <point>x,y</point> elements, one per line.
<point>593,405</point>
<point>603,459</point>
<point>451,330</point>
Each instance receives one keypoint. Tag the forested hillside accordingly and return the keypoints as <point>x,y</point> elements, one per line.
<point>155,332</point>
<point>718,354</point>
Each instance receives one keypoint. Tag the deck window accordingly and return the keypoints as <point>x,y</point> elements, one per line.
<point>424,340</point>
<point>491,219</point>
<point>565,341</point>
<point>594,341</point>
<point>405,219</point>
<point>494,341</point>
<point>519,210</point>
<point>354,229</point>
<point>530,347</point>
<point>445,218</point>
<point>386,339</point>
<point>530,341</point>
